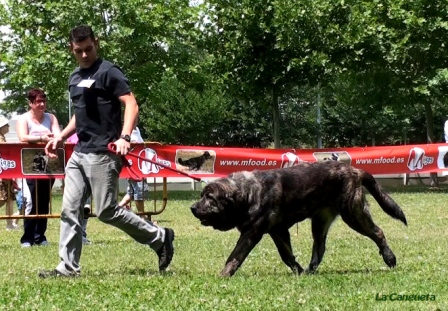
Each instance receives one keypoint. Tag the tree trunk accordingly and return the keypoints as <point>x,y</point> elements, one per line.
<point>430,137</point>
<point>276,118</point>
<point>429,123</point>
<point>319,119</point>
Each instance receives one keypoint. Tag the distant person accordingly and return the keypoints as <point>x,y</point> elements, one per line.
<point>135,189</point>
<point>20,200</point>
<point>37,126</point>
<point>99,90</point>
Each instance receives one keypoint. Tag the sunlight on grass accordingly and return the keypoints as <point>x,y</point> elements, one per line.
<point>120,274</point>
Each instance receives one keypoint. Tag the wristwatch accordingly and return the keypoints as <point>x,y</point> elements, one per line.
<point>126,137</point>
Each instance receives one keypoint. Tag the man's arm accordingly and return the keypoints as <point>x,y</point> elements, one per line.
<point>52,145</point>
<point>68,130</point>
<point>130,113</point>
<point>129,122</point>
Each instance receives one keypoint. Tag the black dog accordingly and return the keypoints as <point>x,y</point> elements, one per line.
<point>272,201</point>
<point>334,157</point>
<point>194,164</point>
<point>39,163</point>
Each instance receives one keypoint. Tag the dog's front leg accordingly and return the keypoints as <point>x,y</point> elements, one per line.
<point>244,246</point>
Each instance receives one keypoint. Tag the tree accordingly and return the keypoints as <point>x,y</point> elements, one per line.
<point>183,115</point>
<point>412,36</point>
<point>263,49</point>
<point>134,34</point>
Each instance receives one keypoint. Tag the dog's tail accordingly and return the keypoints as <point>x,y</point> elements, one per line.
<point>388,205</point>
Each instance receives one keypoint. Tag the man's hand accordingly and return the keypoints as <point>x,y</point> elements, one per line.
<point>52,146</point>
<point>47,137</point>
<point>122,146</point>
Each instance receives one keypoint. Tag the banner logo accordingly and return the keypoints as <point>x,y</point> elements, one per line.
<point>417,159</point>
<point>290,159</point>
<point>147,167</point>
<point>6,164</point>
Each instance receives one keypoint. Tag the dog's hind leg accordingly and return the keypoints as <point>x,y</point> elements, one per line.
<point>282,240</point>
<point>320,224</point>
<point>359,219</point>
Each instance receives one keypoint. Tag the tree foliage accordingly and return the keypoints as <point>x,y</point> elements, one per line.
<point>134,34</point>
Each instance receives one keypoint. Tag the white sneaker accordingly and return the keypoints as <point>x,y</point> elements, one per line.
<point>26,244</point>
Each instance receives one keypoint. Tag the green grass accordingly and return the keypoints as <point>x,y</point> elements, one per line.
<point>120,274</point>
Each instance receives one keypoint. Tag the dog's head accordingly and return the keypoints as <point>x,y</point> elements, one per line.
<point>225,203</point>
<point>207,155</point>
<point>217,206</point>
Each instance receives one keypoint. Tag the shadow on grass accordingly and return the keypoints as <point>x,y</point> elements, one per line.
<point>287,273</point>
<point>145,272</point>
<point>350,272</point>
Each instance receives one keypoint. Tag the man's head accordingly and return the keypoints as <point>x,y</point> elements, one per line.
<point>84,45</point>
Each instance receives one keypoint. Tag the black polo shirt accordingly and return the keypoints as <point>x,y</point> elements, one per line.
<point>94,92</point>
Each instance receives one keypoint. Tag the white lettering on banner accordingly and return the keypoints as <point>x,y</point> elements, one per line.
<point>381,160</point>
<point>249,162</point>
<point>6,164</point>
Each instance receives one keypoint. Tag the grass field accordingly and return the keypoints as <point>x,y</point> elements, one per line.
<point>119,274</point>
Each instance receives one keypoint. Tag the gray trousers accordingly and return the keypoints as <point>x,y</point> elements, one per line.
<point>96,175</point>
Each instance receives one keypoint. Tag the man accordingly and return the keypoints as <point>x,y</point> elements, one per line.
<point>98,88</point>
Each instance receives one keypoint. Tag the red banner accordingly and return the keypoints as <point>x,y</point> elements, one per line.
<point>29,160</point>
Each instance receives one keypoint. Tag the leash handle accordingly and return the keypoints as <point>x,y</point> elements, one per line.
<point>132,173</point>
<point>113,148</point>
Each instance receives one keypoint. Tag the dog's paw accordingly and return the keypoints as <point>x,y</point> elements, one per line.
<point>389,257</point>
<point>230,268</point>
<point>309,270</point>
<point>296,268</point>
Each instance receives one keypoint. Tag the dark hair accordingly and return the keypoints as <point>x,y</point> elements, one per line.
<point>81,33</point>
<point>35,93</point>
